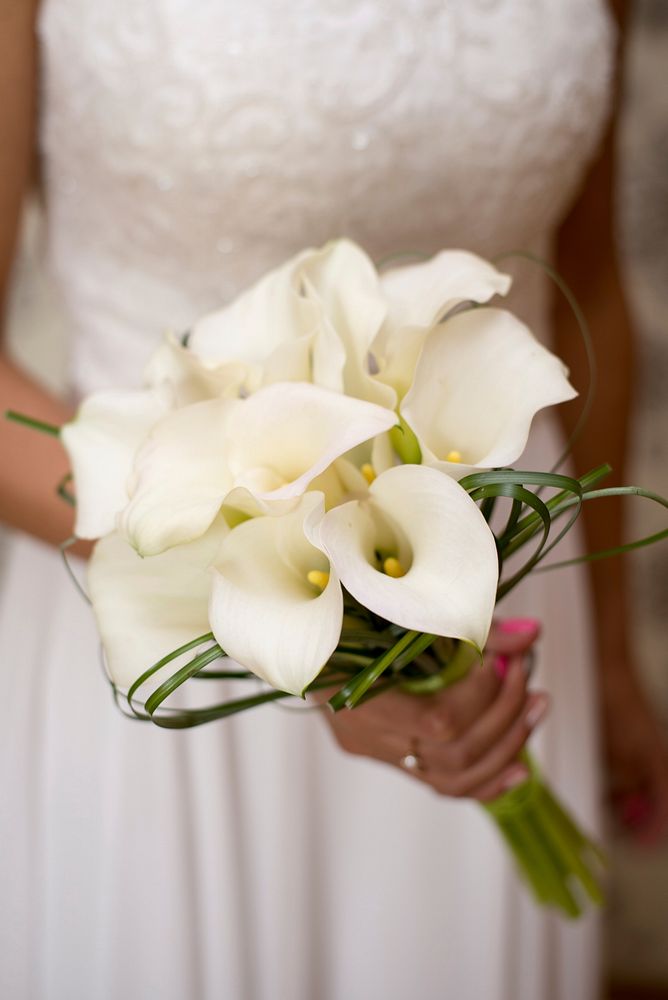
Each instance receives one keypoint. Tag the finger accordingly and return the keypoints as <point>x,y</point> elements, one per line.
<point>513,635</point>
<point>510,777</point>
<point>489,729</point>
<point>502,661</point>
<point>452,711</point>
<point>502,754</point>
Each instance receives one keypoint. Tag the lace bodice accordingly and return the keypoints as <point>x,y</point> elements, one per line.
<point>189,147</point>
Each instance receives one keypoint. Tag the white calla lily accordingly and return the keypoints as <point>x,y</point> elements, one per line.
<point>421,294</point>
<point>180,478</point>
<point>418,552</point>
<point>342,481</point>
<point>268,328</point>
<point>297,430</point>
<point>145,608</point>
<point>418,296</point>
<point>481,378</point>
<point>101,443</point>
<point>343,281</point>
<point>259,454</point>
<point>264,612</point>
<point>191,379</point>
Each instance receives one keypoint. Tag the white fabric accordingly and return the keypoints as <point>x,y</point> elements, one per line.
<point>188,148</point>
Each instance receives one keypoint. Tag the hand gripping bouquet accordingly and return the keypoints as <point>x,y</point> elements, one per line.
<point>302,493</point>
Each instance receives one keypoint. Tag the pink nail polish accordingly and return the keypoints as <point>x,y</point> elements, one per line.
<point>518,626</point>
<point>500,665</point>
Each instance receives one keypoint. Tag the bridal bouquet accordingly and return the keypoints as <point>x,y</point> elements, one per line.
<point>303,490</point>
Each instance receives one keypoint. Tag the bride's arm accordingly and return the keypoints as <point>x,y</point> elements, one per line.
<point>587,259</point>
<point>30,465</point>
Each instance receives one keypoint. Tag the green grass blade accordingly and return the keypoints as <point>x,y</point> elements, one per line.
<point>351,692</point>
<point>141,680</point>
<point>36,425</point>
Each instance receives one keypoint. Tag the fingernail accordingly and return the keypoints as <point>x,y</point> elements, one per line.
<point>536,711</point>
<point>515,778</point>
<point>500,665</point>
<point>518,626</point>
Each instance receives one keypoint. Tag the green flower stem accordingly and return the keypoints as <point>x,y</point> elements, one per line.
<point>345,659</point>
<point>528,860</point>
<point>555,854</point>
<point>35,425</point>
<point>351,692</point>
<point>550,851</point>
<point>566,841</point>
<point>462,660</point>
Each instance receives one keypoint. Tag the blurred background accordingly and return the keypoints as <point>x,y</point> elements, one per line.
<point>637,918</point>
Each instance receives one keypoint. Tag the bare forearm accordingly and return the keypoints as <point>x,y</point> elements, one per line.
<point>31,464</point>
<point>587,259</point>
<point>605,437</point>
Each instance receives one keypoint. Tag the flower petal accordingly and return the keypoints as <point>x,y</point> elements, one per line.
<point>191,379</point>
<point>343,281</point>
<point>101,443</point>
<point>296,430</point>
<point>342,278</point>
<point>264,612</point>
<point>421,294</point>
<point>261,324</point>
<point>438,535</point>
<point>480,380</point>
<point>181,478</point>
<point>145,608</point>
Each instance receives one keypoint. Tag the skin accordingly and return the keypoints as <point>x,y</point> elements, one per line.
<point>469,736</point>
<point>586,256</point>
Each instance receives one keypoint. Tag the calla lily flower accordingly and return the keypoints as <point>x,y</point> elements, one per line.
<point>145,608</point>
<point>191,379</point>
<point>101,443</point>
<point>258,454</point>
<point>420,295</point>
<point>265,612</point>
<point>324,314</point>
<point>342,279</point>
<point>480,380</point>
<point>269,328</point>
<point>417,551</point>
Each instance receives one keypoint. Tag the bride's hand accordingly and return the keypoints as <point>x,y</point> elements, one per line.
<point>465,739</point>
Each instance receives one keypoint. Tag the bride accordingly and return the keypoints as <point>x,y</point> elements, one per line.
<point>185,149</point>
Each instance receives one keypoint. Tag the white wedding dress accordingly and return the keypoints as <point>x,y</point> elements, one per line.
<point>188,147</point>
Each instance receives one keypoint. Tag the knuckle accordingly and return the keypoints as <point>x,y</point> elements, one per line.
<point>441,725</point>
